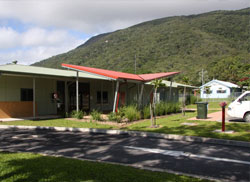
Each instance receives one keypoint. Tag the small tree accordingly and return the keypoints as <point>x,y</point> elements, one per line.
<point>14,62</point>
<point>185,80</point>
<point>198,92</point>
<point>207,91</point>
<point>156,83</point>
<point>245,80</point>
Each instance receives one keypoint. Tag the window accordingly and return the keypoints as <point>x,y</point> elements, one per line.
<point>221,91</point>
<point>210,91</point>
<point>246,97</point>
<point>105,97</point>
<point>102,97</point>
<point>26,94</point>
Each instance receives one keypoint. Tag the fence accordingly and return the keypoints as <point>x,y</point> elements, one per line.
<point>190,98</point>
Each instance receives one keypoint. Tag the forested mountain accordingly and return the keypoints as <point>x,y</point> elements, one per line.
<point>211,41</point>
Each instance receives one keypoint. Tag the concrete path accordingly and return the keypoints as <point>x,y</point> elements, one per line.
<point>217,116</point>
<point>225,163</point>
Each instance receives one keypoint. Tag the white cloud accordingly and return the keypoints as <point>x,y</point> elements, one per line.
<point>34,45</point>
<point>8,38</point>
<point>102,15</point>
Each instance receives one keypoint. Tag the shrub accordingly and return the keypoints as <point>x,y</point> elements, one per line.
<point>160,109</point>
<point>112,116</point>
<point>194,99</point>
<point>78,115</point>
<point>115,117</point>
<point>131,113</point>
<point>167,108</point>
<point>177,107</point>
<point>96,115</point>
<point>171,108</point>
<point>146,112</point>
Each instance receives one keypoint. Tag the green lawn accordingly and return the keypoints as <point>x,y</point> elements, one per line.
<point>171,124</point>
<point>60,123</point>
<point>36,168</point>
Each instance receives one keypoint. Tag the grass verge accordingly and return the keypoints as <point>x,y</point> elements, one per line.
<point>59,123</point>
<point>171,124</point>
<point>35,167</point>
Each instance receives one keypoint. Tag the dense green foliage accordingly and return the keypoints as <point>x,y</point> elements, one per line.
<point>131,113</point>
<point>164,108</point>
<point>77,114</point>
<point>186,43</point>
<point>96,115</point>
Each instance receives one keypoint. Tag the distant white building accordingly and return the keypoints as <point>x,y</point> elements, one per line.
<point>219,89</point>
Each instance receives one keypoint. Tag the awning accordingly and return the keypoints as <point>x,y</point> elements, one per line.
<point>115,75</point>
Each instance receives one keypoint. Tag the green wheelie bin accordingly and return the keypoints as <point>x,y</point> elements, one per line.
<point>201,110</point>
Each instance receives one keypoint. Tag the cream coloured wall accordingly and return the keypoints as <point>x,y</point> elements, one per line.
<point>98,85</point>
<point>10,91</point>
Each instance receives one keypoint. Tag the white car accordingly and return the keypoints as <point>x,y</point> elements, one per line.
<point>240,108</point>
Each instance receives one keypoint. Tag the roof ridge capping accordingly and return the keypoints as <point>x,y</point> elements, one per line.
<point>120,75</point>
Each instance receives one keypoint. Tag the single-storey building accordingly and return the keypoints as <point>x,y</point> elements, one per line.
<point>30,91</point>
<point>219,89</point>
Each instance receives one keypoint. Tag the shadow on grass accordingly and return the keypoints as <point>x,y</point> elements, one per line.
<point>32,168</point>
<point>242,131</point>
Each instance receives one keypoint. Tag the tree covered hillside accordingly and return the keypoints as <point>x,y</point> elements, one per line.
<point>183,43</point>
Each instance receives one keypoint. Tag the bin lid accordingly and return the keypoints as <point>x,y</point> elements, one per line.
<point>201,103</point>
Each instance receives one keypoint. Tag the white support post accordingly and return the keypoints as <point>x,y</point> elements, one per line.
<point>140,97</point>
<point>116,93</point>
<point>102,96</point>
<point>77,91</point>
<point>66,96</point>
<point>170,91</point>
<point>184,102</point>
<point>34,97</point>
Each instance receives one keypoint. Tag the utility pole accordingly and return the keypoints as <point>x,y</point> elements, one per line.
<point>135,63</point>
<point>202,77</point>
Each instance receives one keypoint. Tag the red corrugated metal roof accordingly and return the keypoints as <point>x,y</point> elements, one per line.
<point>152,76</point>
<point>119,75</point>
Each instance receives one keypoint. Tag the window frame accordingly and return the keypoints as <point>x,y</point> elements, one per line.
<point>100,97</point>
<point>26,94</point>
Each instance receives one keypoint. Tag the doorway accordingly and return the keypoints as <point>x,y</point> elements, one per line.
<point>84,97</point>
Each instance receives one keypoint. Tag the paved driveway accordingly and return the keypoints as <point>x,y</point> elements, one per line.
<point>215,161</point>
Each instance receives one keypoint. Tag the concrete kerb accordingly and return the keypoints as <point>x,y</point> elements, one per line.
<point>136,133</point>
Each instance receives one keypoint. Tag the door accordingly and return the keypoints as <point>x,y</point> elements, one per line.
<point>60,101</point>
<point>84,97</point>
<point>123,98</point>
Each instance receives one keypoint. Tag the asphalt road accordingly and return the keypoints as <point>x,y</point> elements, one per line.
<point>209,160</point>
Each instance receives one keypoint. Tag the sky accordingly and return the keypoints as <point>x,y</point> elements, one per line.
<point>33,30</point>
